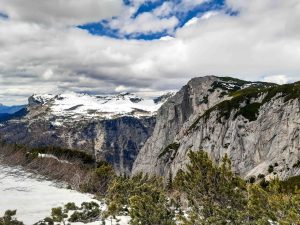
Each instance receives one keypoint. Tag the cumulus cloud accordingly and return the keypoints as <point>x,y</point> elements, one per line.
<point>144,23</point>
<point>164,10</point>
<point>205,16</point>
<point>59,13</point>
<point>278,79</point>
<point>189,4</point>
<point>262,40</point>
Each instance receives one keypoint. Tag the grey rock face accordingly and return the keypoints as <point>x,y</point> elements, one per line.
<point>189,121</point>
<point>121,140</point>
<point>116,140</point>
<point>172,120</point>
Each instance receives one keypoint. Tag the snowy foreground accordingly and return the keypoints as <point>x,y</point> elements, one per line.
<point>33,197</point>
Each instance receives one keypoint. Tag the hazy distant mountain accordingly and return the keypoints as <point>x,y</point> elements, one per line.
<point>10,109</point>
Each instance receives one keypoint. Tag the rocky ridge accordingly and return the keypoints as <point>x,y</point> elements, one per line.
<point>110,128</point>
<point>257,124</point>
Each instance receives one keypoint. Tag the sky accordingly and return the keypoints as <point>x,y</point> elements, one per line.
<point>143,46</point>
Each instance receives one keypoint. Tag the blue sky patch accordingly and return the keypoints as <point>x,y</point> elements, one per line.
<point>3,15</point>
<point>103,27</point>
<point>148,7</point>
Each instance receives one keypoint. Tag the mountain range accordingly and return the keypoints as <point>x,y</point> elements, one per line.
<point>110,128</point>
<point>256,124</point>
<point>9,112</point>
<point>10,109</point>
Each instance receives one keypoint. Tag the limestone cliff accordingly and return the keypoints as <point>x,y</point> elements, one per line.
<point>257,124</point>
<point>110,128</point>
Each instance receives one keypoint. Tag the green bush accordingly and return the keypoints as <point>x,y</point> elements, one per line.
<point>297,164</point>
<point>46,221</point>
<point>99,179</point>
<point>239,96</point>
<point>271,169</point>
<point>251,180</point>
<point>143,198</point>
<point>250,111</point>
<point>89,211</point>
<point>170,149</point>
<point>70,206</point>
<point>215,194</point>
<point>9,218</point>
<point>291,185</point>
<point>264,183</point>
<point>58,215</point>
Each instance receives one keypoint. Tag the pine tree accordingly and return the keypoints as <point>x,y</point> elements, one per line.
<point>58,215</point>
<point>272,204</point>
<point>169,185</point>
<point>143,197</point>
<point>258,209</point>
<point>9,218</point>
<point>215,195</point>
<point>150,207</point>
<point>100,179</point>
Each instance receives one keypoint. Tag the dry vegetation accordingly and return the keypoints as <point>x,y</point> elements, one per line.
<point>77,174</point>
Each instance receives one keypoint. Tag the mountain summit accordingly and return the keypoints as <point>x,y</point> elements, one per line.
<point>110,128</point>
<point>73,106</point>
<point>255,123</point>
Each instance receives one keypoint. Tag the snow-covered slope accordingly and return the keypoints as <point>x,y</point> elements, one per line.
<point>109,128</point>
<point>74,106</point>
<point>33,196</point>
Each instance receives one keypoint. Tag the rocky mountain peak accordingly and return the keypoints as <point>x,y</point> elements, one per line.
<point>36,99</point>
<point>163,98</point>
<point>76,106</point>
<point>255,123</point>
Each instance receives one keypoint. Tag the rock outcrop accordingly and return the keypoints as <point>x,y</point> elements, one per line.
<point>110,128</point>
<point>257,124</point>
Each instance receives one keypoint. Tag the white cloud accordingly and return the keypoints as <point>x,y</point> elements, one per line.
<point>205,16</point>
<point>48,74</point>
<point>208,15</point>
<point>121,88</point>
<point>191,22</point>
<point>166,38</point>
<point>60,13</point>
<point>144,23</point>
<point>189,4</point>
<point>165,9</point>
<point>278,79</point>
<point>35,57</point>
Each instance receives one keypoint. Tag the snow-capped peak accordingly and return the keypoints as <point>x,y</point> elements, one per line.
<point>74,105</point>
<point>36,99</point>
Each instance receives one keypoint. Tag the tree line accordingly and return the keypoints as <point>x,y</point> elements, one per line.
<point>203,193</point>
